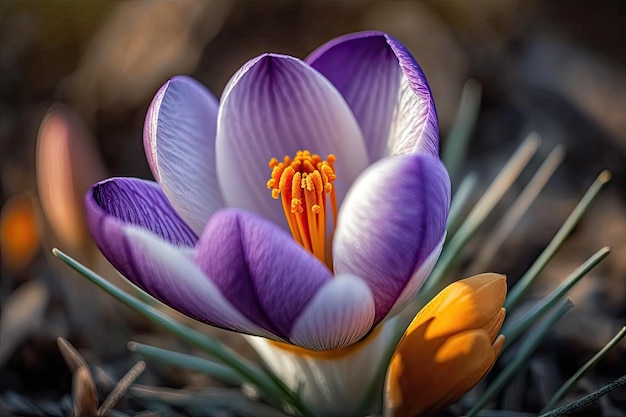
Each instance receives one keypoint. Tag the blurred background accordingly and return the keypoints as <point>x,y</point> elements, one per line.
<point>76,79</point>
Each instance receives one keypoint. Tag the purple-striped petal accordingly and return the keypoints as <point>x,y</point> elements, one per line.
<point>385,88</point>
<point>260,269</point>
<point>366,71</point>
<point>274,106</point>
<point>168,274</point>
<point>141,203</point>
<point>341,313</point>
<point>112,204</point>
<point>417,279</point>
<point>179,140</point>
<point>391,222</point>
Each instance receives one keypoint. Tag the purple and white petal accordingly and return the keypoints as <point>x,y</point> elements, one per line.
<point>260,269</point>
<point>166,272</point>
<point>138,202</point>
<point>179,140</point>
<point>274,106</point>
<point>364,68</point>
<point>340,314</point>
<point>417,279</point>
<point>391,222</point>
<point>385,88</point>
<point>112,204</point>
<point>415,127</point>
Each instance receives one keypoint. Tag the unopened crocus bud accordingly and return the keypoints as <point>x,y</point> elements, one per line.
<point>448,348</point>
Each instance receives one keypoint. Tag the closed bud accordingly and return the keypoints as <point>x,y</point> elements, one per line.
<point>448,348</point>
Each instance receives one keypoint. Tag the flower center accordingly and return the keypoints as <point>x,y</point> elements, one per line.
<point>302,184</point>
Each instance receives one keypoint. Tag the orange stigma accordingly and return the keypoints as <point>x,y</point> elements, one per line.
<point>302,184</point>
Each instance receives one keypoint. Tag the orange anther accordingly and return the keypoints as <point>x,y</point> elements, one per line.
<point>303,183</point>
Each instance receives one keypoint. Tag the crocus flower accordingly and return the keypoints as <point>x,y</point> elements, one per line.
<point>448,348</point>
<point>352,223</point>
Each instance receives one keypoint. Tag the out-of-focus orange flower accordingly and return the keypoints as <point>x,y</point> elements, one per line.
<point>19,234</point>
<point>448,348</point>
<point>67,164</point>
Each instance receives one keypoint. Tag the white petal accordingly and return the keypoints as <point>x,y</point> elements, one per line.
<point>274,106</point>
<point>414,127</point>
<point>335,383</point>
<point>179,140</point>
<point>341,313</point>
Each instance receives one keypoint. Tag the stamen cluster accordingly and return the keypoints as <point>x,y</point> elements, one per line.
<point>302,184</point>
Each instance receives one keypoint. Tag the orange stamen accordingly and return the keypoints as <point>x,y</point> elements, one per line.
<point>303,183</point>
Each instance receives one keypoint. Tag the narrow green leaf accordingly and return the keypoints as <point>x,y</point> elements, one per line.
<point>207,402</point>
<point>457,141</point>
<point>504,413</point>
<point>265,383</point>
<point>515,295</point>
<point>459,201</point>
<point>513,330</point>
<point>587,399</point>
<point>503,181</point>
<point>583,369</point>
<point>213,369</point>
<point>525,350</point>
<point>513,215</point>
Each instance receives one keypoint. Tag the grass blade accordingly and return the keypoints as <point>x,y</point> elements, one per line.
<point>515,295</point>
<point>503,181</point>
<point>518,209</point>
<point>182,360</point>
<point>587,399</point>
<point>525,350</point>
<point>513,330</point>
<point>459,200</point>
<point>458,139</point>
<point>596,358</point>
<point>266,384</point>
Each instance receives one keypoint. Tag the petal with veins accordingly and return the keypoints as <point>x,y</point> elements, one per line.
<point>414,127</point>
<point>341,313</point>
<point>179,140</point>
<point>391,222</point>
<point>167,273</point>
<point>385,88</point>
<point>274,106</point>
<point>138,202</point>
<point>365,70</point>
<point>112,204</point>
<point>260,269</point>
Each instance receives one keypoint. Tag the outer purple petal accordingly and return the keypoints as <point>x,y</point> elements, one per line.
<point>386,89</point>
<point>141,203</point>
<point>260,269</point>
<point>179,140</point>
<point>391,222</point>
<point>274,106</point>
<point>166,272</point>
<point>112,204</point>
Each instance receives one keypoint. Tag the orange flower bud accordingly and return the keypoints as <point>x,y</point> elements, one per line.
<point>448,348</point>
